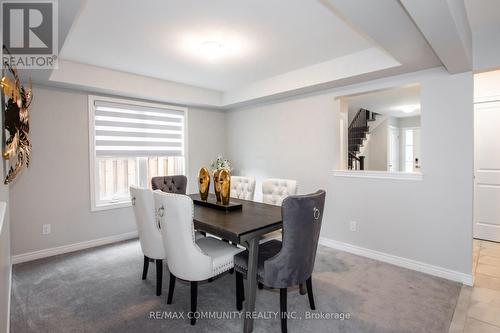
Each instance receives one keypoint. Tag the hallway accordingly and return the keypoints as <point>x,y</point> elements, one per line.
<point>478,307</point>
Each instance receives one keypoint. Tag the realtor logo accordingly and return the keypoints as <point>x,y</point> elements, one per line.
<point>29,33</point>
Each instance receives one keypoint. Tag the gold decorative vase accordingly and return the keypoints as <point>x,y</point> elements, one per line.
<point>217,185</point>
<point>203,183</point>
<point>225,185</point>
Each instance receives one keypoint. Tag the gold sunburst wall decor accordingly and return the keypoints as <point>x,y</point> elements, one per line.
<point>16,102</point>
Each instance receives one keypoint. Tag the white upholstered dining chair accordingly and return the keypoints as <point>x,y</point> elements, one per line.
<point>275,190</point>
<point>242,187</point>
<point>149,232</point>
<point>189,258</point>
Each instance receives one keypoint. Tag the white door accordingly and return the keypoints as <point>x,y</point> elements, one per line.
<point>393,148</point>
<point>487,171</point>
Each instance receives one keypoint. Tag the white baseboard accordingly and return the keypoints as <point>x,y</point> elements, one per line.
<point>361,251</point>
<point>399,261</point>
<point>19,258</point>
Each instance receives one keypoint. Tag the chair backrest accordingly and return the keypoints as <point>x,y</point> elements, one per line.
<point>294,264</point>
<point>274,190</point>
<point>242,187</point>
<point>185,259</point>
<point>147,226</point>
<point>170,184</point>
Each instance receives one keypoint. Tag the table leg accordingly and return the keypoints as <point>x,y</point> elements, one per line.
<point>253,254</point>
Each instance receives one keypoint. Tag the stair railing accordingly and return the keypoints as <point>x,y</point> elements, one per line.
<point>360,120</point>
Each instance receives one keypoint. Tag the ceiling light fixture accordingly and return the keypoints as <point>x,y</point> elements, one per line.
<point>213,46</point>
<point>408,108</point>
<point>212,49</point>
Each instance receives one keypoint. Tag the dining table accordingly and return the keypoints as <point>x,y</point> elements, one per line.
<point>245,227</point>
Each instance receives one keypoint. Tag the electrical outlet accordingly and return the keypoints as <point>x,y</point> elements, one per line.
<point>353,225</point>
<point>46,229</point>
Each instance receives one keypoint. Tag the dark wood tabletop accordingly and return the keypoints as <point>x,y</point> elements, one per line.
<point>254,219</point>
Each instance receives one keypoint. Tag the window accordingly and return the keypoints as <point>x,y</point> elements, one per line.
<point>131,142</point>
<point>408,149</point>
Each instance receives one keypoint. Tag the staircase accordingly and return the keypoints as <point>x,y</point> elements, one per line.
<point>357,132</point>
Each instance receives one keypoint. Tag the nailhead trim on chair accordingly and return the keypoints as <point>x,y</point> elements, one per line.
<point>223,268</point>
<point>244,271</point>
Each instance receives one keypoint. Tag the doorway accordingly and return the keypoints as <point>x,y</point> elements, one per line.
<point>487,170</point>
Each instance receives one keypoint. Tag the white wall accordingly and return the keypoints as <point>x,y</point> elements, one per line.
<point>376,148</point>
<point>487,86</point>
<point>55,188</point>
<point>430,221</point>
<point>207,139</point>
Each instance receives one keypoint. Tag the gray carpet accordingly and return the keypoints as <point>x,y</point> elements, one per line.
<point>100,290</point>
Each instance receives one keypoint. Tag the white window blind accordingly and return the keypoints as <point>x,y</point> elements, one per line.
<point>131,142</point>
<point>134,130</point>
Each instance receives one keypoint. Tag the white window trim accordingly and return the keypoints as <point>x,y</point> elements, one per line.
<point>92,160</point>
<point>379,174</point>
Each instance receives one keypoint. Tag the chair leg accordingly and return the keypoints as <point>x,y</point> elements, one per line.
<point>159,276</point>
<point>302,289</point>
<point>240,292</point>
<point>194,299</point>
<point>283,314</point>
<point>145,268</point>
<point>310,293</point>
<point>171,287</point>
<point>260,285</point>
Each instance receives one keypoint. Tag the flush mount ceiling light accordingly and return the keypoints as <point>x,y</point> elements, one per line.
<point>408,108</point>
<point>213,46</point>
<point>212,49</point>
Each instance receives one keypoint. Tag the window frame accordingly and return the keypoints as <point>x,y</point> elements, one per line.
<point>94,206</point>
<point>404,147</point>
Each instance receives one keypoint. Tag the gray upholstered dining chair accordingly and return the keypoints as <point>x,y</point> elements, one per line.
<point>170,184</point>
<point>290,262</point>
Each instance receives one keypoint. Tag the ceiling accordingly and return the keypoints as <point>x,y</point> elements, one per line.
<point>272,48</point>
<point>389,102</point>
<point>483,15</point>
<point>152,38</point>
